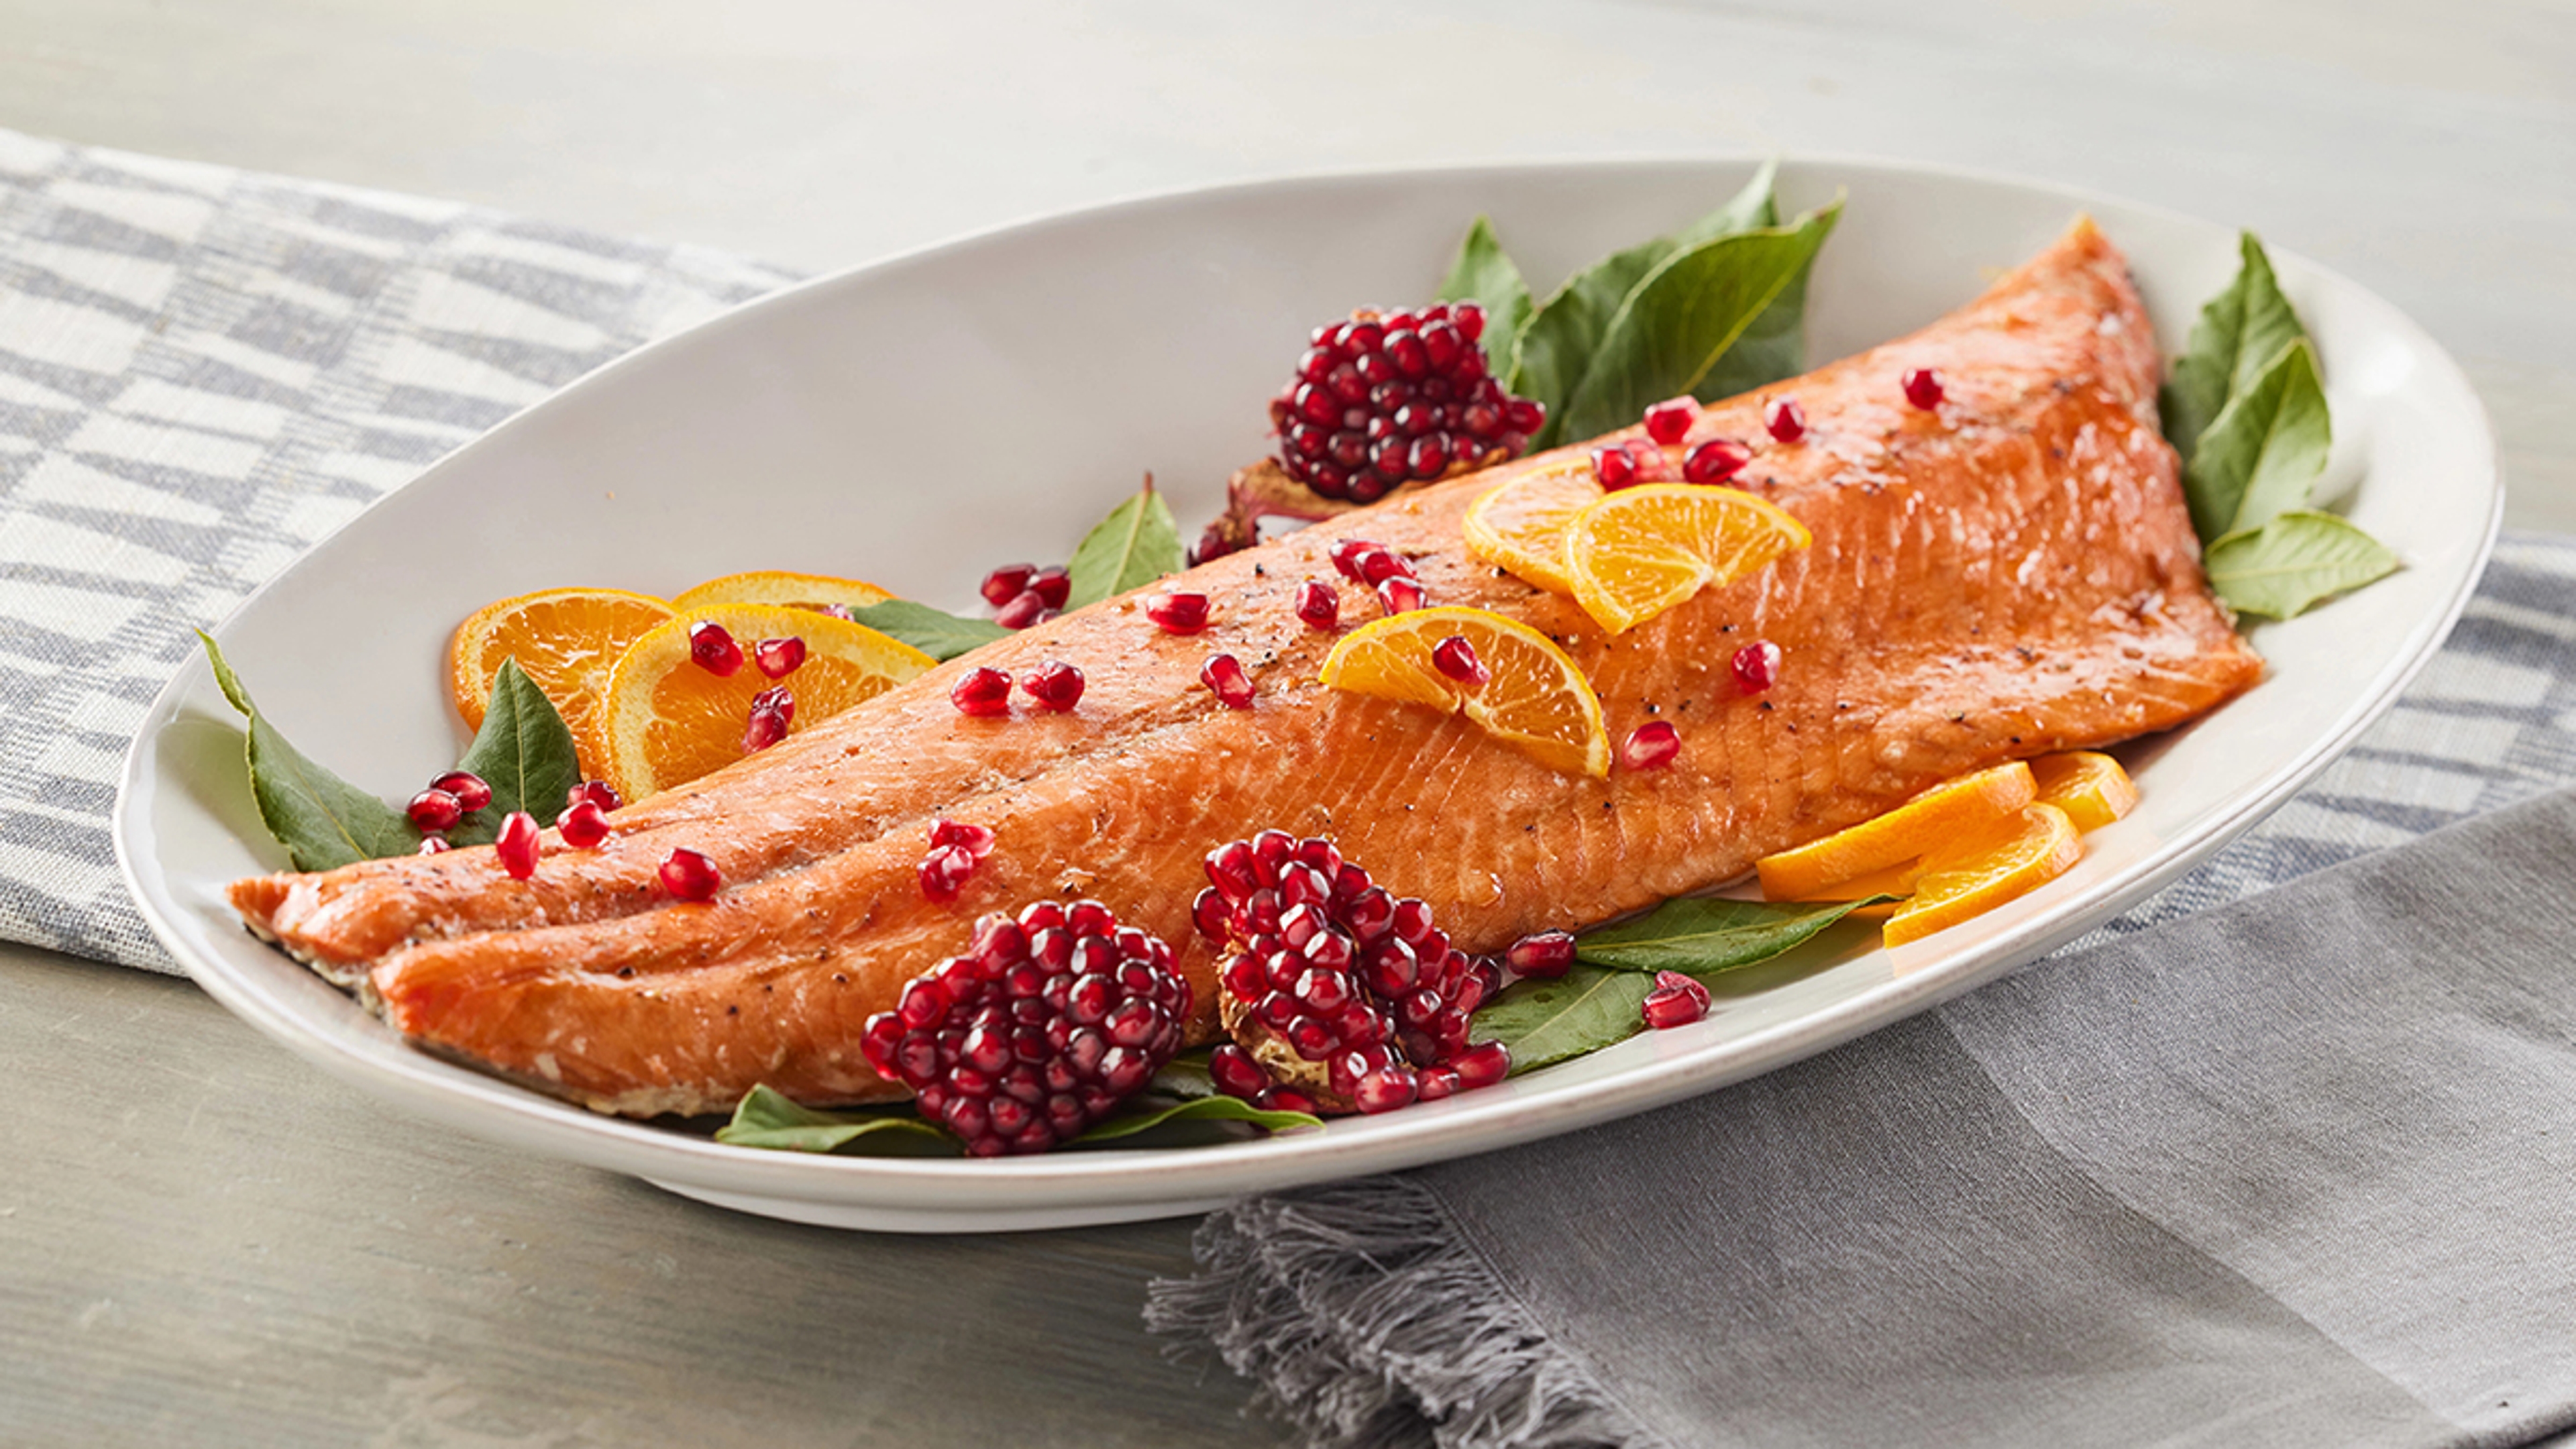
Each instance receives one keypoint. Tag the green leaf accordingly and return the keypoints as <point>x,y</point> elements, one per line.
<point>942,636</point>
<point>1702,936</point>
<point>1560,342</point>
<point>2291,562</point>
<point>1136,544</point>
<point>1184,1076</point>
<point>524,752</point>
<point>1195,1109</point>
<point>322,820</point>
<point>1584,1010</point>
<point>2267,446</point>
<point>1669,334</point>
<point>1485,274</point>
<point>766,1119</point>
<point>2240,333</point>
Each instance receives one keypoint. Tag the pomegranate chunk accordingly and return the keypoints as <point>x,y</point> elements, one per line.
<point>1039,1030</point>
<point>982,692</point>
<point>690,876</point>
<point>1715,461</point>
<point>1319,605</point>
<point>434,809</point>
<point>583,825</point>
<point>778,658</point>
<point>468,788</point>
<point>517,845</point>
<point>1784,420</point>
<point>1055,684</point>
<point>713,649</point>
<point>1668,421</point>
<point>1178,613</point>
<point>1650,746</point>
<point>1757,666</point>
<point>1923,388</point>
<point>1386,399</point>
<point>1224,674</point>
<point>1677,1000</point>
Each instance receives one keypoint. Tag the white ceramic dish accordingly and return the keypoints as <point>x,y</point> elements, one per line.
<point>918,420</point>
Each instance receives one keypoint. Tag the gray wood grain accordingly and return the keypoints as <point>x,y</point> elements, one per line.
<point>203,1241</point>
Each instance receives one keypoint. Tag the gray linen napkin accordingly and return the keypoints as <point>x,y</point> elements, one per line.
<point>2290,1171</point>
<point>203,371</point>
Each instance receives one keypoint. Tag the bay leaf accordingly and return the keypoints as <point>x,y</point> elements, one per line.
<point>767,1119</point>
<point>323,821</point>
<point>2240,333</point>
<point>2293,561</point>
<point>1701,936</point>
<point>1586,1009</point>
<point>1485,274</point>
<point>1136,544</point>
<point>2264,451</point>
<point>524,751</point>
<point>935,632</point>
<point>1131,1123</point>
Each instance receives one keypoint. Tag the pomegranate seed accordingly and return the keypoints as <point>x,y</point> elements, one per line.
<point>712,647</point>
<point>468,788</point>
<point>1668,420</point>
<point>1224,674</point>
<point>1284,1099</point>
<point>1468,318</point>
<point>1055,684</point>
<point>583,826</point>
<point>944,871</point>
<point>1757,666</point>
<point>517,845</point>
<point>432,844</point>
<point>1614,468</point>
<point>598,792</point>
<point>1236,1073</point>
<point>1923,388</point>
<point>1784,419</point>
<point>1006,583</point>
<point>1347,554</point>
<point>434,809</point>
<point>975,840</point>
<point>1715,461</point>
<point>1379,565</point>
<point>1651,746</point>
<point>1053,585</point>
<point>778,658</point>
<point>1401,595</point>
<point>1524,415</point>
<point>1545,954</point>
<point>1178,613</point>
<point>1677,1000</point>
<point>1456,658</point>
<point>982,693</point>
<point>766,727</point>
<point>1026,608</point>
<point>1213,544</point>
<point>689,876</point>
<point>1319,605</point>
<point>1386,1090</point>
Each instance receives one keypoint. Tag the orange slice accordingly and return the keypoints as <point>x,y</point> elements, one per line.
<point>666,720</point>
<point>2026,851</point>
<point>1921,826</point>
<point>566,639</point>
<point>1537,700</point>
<point>2091,788</point>
<point>787,591</point>
<point>1643,550</point>
<point>1521,523</point>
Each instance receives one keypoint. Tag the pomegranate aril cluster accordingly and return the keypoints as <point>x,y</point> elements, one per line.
<point>1338,995</point>
<point>1024,594</point>
<point>1388,398</point>
<point>1047,1022</point>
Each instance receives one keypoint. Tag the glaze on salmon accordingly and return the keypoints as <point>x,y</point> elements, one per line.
<point>2011,574</point>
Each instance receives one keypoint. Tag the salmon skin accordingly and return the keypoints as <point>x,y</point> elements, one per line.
<point>2012,574</point>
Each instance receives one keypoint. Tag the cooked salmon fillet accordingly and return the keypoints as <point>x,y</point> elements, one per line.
<point>2010,575</point>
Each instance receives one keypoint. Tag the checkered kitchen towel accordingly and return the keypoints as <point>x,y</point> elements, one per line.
<point>202,371</point>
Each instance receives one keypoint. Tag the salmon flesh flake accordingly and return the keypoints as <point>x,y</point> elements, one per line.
<point>2012,574</point>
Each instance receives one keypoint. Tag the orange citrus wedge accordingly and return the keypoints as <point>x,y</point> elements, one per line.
<point>1520,524</point>
<point>666,720</point>
<point>2027,850</point>
<point>1536,700</point>
<point>789,591</point>
<point>567,640</point>
<point>2091,788</point>
<point>1643,550</point>
<point>1921,826</point>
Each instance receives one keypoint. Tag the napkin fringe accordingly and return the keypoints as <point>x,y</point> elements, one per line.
<point>1361,1316</point>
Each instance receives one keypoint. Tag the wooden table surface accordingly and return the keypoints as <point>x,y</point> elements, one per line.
<point>204,1241</point>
